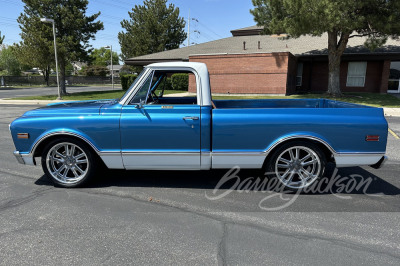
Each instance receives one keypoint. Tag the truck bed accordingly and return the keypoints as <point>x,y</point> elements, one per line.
<point>253,125</point>
<point>284,103</point>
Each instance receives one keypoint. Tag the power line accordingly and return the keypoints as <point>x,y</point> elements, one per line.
<point>204,26</point>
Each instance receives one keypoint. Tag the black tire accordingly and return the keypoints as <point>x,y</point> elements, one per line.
<point>295,181</point>
<point>57,155</point>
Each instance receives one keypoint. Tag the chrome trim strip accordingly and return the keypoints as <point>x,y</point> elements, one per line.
<point>299,137</point>
<point>161,153</point>
<point>218,153</point>
<point>61,133</point>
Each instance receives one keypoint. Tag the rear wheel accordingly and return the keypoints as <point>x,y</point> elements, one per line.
<point>297,164</point>
<point>68,162</point>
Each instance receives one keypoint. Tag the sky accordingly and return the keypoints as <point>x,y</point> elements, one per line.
<point>210,19</point>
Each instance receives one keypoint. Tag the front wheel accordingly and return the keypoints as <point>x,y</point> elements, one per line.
<point>68,162</point>
<point>297,164</point>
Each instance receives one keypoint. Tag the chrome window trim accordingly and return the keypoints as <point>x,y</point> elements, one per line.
<point>125,100</point>
<point>131,94</point>
<point>148,90</point>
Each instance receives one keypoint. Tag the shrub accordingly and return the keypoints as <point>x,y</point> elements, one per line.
<point>166,84</point>
<point>180,82</point>
<point>127,80</point>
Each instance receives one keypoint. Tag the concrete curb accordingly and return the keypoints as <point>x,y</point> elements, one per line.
<point>392,111</point>
<point>30,102</point>
<point>388,111</point>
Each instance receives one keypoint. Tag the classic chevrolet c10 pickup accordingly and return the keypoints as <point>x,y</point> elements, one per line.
<point>145,129</point>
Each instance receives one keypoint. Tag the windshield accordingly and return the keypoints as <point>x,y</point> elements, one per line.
<point>133,84</point>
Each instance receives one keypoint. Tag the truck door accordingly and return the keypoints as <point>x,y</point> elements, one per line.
<point>160,132</point>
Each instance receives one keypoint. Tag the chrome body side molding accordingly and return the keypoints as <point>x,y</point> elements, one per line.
<point>145,160</point>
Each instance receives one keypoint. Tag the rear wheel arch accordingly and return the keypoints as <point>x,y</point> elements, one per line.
<point>327,150</point>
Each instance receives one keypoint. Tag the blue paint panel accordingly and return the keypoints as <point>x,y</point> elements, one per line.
<point>206,120</point>
<point>160,128</point>
<point>255,129</point>
<point>102,130</point>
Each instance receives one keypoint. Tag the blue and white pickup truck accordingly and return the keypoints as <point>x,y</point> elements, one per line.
<point>292,140</point>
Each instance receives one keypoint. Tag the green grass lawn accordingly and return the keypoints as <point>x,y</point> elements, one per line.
<point>372,99</point>
<point>89,95</point>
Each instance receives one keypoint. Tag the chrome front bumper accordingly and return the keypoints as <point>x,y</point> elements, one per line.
<point>24,158</point>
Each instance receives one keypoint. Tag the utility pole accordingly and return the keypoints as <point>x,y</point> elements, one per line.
<point>188,32</point>
<point>48,20</point>
<point>112,66</point>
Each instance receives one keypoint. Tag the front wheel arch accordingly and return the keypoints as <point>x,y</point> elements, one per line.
<point>38,150</point>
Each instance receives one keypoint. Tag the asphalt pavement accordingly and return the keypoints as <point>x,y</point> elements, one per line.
<point>7,92</point>
<point>171,217</point>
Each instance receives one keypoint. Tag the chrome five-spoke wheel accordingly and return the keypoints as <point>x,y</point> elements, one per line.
<point>68,163</point>
<point>297,165</point>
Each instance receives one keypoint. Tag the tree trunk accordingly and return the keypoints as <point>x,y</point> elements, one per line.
<point>334,76</point>
<point>46,75</point>
<point>62,77</point>
<point>335,52</point>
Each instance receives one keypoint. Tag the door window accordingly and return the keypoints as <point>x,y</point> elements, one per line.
<point>141,94</point>
<point>172,88</point>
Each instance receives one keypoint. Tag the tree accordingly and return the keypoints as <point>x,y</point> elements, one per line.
<point>9,61</point>
<point>1,38</point>
<point>342,20</point>
<point>74,29</point>
<point>37,49</point>
<point>153,27</point>
<point>102,57</point>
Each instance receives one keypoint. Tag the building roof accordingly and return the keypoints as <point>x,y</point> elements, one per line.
<point>248,44</point>
<point>253,30</point>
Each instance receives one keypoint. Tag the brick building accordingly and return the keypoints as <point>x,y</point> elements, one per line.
<point>249,62</point>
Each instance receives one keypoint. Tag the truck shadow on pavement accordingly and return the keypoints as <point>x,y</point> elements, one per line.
<point>352,180</point>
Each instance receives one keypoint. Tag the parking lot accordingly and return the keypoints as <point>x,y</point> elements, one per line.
<point>169,217</point>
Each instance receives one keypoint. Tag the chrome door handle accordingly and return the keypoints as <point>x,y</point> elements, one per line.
<point>191,118</point>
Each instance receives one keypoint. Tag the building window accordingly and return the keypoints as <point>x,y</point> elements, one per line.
<point>356,74</point>
<point>394,77</point>
<point>299,75</point>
